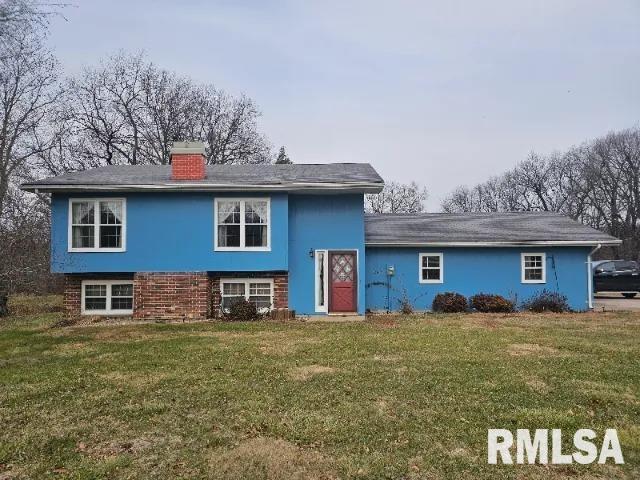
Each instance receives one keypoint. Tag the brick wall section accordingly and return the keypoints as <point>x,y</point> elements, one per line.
<point>187,167</point>
<point>281,291</point>
<point>280,288</point>
<point>171,295</point>
<point>192,295</point>
<point>72,296</point>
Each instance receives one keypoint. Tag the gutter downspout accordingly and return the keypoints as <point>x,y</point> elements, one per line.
<point>590,274</point>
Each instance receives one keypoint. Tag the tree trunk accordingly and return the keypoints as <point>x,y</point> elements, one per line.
<point>4,307</point>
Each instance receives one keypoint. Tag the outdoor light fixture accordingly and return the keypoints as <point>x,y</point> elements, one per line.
<point>311,253</point>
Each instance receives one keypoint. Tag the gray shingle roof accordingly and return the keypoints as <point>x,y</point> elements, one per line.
<point>332,176</point>
<point>468,228</point>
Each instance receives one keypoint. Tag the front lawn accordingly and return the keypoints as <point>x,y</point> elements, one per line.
<point>393,397</point>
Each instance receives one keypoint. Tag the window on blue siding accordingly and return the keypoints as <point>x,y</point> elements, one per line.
<point>228,224</point>
<point>242,224</point>
<point>82,221</point>
<point>533,268</point>
<point>96,224</point>
<point>430,268</point>
<point>110,224</point>
<point>255,217</point>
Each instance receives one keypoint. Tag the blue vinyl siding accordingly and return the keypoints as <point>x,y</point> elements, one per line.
<point>473,270</point>
<point>169,232</point>
<point>322,222</point>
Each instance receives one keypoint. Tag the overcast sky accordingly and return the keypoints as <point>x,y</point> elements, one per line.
<point>443,93</point>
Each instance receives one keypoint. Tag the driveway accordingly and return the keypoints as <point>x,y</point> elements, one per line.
<point>615,301</point>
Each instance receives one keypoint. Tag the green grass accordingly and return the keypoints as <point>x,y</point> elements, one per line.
<point>396,397</point>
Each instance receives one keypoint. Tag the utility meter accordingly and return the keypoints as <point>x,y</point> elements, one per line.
<point>391,270</point>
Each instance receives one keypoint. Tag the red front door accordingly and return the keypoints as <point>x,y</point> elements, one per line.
<point>343,285</point>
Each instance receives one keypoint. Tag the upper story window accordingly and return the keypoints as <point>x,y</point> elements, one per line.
<point>242,224</point>
<point>97,225</point>
<point>534,269</point>
<point>431,268</point>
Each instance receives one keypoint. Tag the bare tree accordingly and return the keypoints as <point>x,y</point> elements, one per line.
<point>397,198</point>
<point>597,183</point>
<point>15,14</point>
<point>128,111</point>
<point>28,90</point>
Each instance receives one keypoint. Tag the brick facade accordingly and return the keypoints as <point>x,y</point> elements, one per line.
<point>72,297</point>
<point>171,295</point>
<point>191,295</point>
<point>280,289</point>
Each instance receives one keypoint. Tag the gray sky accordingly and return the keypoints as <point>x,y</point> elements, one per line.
<point>443,93</point>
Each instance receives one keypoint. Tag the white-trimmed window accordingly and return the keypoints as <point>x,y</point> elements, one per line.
<point>534,268</point>
<point>107,297</point>
<point>258,291</point>
<point>431,268</point>
<point>97,225</point>
<point>242,224</point>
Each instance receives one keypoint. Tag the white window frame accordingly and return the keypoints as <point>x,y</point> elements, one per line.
<point>242,247</point>
<point>96,225</point>
<point>321,308</point>
<point>428,254</point>
<point>108,310</point>
<point>246,282</point>
<point>522,267</point>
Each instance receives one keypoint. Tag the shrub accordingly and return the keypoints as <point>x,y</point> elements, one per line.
<point>242,311</point>
<point>449,302</point>
<point>487,303</point>
<point>546,301</point>
<point>406,308</point>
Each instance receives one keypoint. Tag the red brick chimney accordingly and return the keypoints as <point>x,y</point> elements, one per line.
<point>187,161</point>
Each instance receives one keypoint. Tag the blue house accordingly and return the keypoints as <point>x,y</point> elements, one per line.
<point>186,240</point>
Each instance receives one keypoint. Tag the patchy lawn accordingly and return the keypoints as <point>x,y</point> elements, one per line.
<point>392,397</point>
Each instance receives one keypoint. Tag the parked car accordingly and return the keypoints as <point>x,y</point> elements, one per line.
<point>617,276</point>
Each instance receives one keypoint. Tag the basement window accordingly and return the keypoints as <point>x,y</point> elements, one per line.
<point>242,224</point>
<point>97,225</point>
<point>534,268</point>
<point>107,297</point>
<point>258,291</point>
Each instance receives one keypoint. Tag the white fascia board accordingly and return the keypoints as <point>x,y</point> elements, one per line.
<point>533,243</point>
<point>319,187</point>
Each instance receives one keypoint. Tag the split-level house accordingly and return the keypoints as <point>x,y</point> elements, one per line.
<point>186,240</point>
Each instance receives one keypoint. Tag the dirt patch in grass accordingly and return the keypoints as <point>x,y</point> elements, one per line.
<point>522,349</point>
<point>270,458</point>
<point>537,385</point>
<point>110,450</point>
<point>307,371</point>
<point>387,358</point>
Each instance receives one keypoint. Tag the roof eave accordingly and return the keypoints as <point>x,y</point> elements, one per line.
<point>364,187</point>
<point>528,243</point>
